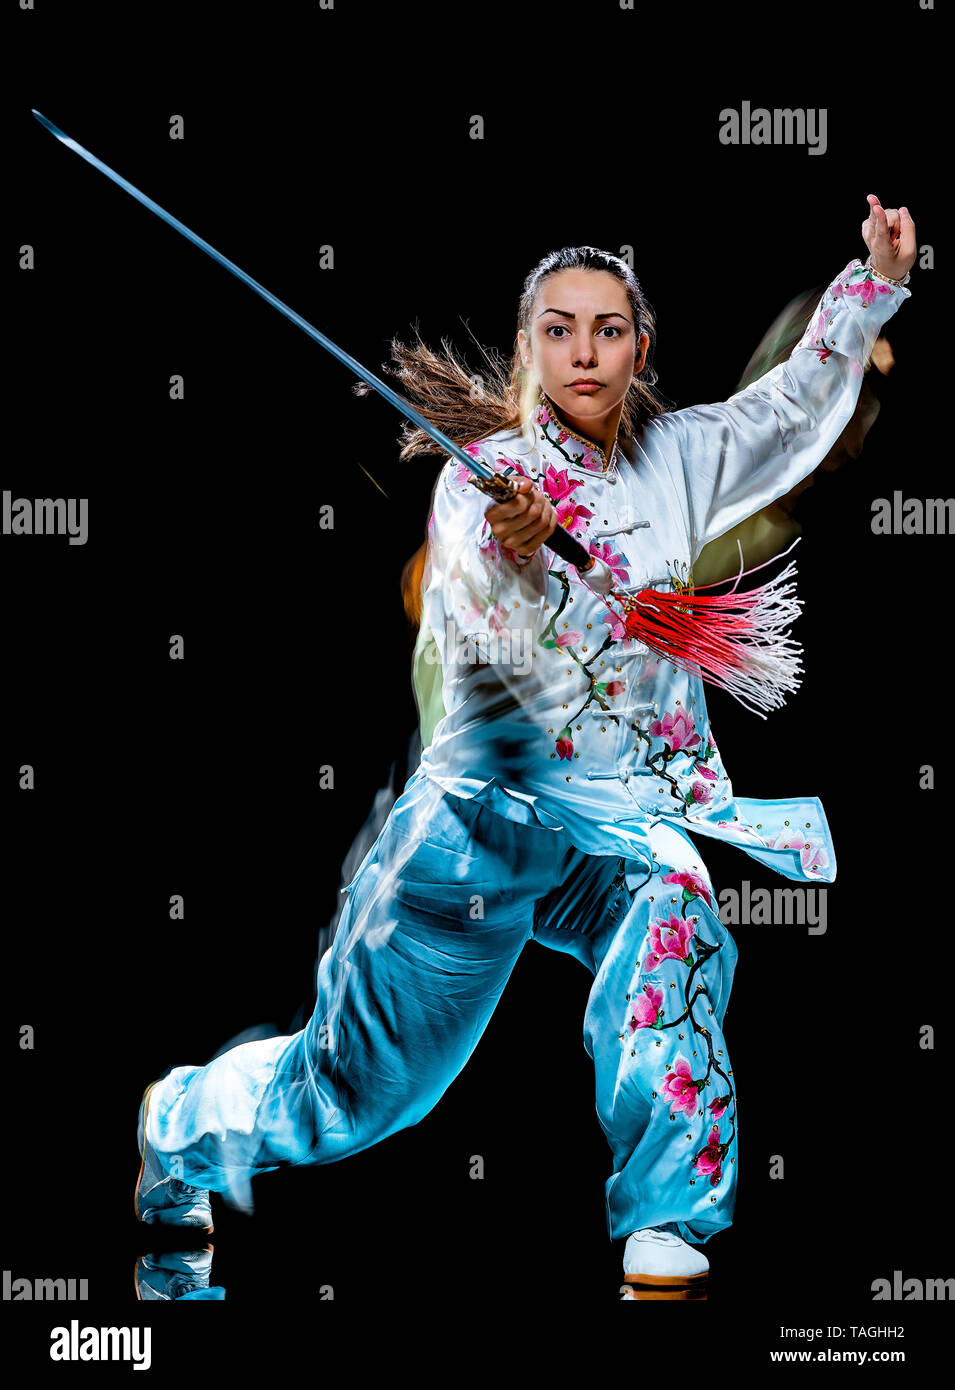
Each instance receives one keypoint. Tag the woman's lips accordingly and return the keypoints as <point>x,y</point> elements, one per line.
<point>586,388</point>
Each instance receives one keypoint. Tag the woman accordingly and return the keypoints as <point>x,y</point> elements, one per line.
<point>555,796</point>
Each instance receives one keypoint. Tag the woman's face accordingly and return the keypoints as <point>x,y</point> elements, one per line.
<point>582,327</point>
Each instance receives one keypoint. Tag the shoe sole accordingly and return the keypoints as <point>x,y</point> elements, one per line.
<point>170,1225</point>
<point>667,1281</point>
<point>641,1293</point>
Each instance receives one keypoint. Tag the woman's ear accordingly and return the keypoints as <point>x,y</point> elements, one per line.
<point>643,343</point>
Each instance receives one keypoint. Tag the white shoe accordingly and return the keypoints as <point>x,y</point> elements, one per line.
<point>653,1256</point>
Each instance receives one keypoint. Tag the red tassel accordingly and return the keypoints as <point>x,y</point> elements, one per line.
<point>734,641</point>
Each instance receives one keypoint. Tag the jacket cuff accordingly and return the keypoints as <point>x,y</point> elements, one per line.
<point>857,295</point>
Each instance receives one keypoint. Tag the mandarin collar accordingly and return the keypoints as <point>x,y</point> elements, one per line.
<point>575,450</point>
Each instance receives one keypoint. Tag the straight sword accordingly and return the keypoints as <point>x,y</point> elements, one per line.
<point>493,484</point>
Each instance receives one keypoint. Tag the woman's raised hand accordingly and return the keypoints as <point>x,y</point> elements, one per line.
<point>524,522</point>
<point>889,234</point>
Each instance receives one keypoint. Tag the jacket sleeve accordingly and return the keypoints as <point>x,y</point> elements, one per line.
<point>731,459</point>
<point>473,587</point>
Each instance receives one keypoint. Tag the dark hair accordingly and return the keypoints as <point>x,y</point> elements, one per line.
<point>468,406</point>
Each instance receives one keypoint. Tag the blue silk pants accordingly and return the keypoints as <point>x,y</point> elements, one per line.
<point>437,916</point>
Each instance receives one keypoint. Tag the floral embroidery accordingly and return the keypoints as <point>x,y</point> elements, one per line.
<point>646,1010</point>
<point>677,729</point>
<point>709,1160</point>
<point>605,551</point>
<point>558,487</point>
<point>675,947</point>
<point>618,631</point>
<point>824,350</point>
<point>565,743</point>
<point>589,458</point>
<point>599,690</point>
<point>867,288</point>
<point>680,1089</point>
<point>812,854</point>
<point>857,282</point>
<point>717,1107</point>
<point>669,940</point>
<point>693,885</point>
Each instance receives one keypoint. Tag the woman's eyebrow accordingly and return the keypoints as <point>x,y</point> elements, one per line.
<point>567,315</point>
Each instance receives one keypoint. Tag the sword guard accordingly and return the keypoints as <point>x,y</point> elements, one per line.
<point>500,488</point>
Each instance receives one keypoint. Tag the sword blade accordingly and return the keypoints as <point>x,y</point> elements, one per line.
<point>474,465</point>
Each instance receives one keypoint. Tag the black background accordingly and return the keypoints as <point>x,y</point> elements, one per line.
<point>350,127</point>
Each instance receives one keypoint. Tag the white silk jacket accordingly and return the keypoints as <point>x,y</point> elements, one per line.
<point>553,716</point>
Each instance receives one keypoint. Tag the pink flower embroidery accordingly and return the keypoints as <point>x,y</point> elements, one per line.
<point>567,639</point>
<point>565,745</point>
<point>498,617</point>
<point>502,462</point>
<point>614,688</point>
<point>814,859</point>
<point>707,772</point>
<point>605,551</point>
<point>716,1107</point>
<point>569,512</point>
<point>676,729</point>
<point>817,339</point>
<point>617,630</point>
<point>701,793</point>
<point>558,485</point>
<point>680,1089</point>
<point>645,1008</point>
<point>812,855</point>
<point>844,275</point>
<point>822,323</point>
<point>487,545</point>
<point>672,944</point>
<point>693,885</point>
<point>710,1157</point>
<point>867,290</point>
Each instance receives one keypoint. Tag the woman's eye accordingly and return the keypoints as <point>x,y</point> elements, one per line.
<point>563,328</point>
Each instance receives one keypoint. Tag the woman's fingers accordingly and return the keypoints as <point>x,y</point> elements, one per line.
<point>908,246</point>
<point>875,229</point>
<point>526,518</point>
<point>889,234</point>
<point>534,524</point>
<point>532,535</point>
<point>501,511</point>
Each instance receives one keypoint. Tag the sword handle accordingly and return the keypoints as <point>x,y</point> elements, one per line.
<point>561,542</point>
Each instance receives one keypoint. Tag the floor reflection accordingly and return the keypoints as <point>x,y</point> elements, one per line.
<point>176,1275</point>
